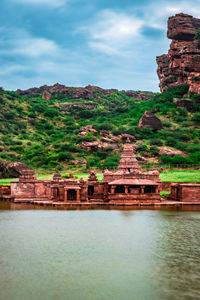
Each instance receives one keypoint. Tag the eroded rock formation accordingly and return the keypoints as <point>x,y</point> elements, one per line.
<point>182,63</point>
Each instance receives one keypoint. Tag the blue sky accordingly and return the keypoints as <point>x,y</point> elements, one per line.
<point>112,44</point>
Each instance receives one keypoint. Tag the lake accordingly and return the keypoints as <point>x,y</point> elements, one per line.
<point>99,254</point>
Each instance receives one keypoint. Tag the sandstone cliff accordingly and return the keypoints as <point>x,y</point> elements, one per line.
<point>182,63</point>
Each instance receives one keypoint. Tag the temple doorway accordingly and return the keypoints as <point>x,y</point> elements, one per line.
<point>120,189</point>
<point>90,190</point>
<point>71,195</point>
<point>149,189</point>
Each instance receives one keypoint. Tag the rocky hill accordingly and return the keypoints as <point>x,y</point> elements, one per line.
<point>182,63</point>
<point>72,133</point>
<point>57,127</point>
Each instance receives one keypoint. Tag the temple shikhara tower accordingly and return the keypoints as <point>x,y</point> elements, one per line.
<point>127,185</point>
<point>128,162</point>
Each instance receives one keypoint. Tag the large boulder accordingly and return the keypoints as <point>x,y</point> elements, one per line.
<point>149,120</point>
<point>12,169</point>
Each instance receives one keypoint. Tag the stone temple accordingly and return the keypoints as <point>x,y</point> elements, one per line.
<point>127,185</point>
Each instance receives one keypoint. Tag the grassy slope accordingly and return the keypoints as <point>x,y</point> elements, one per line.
<point>44,134</point>
<point>170,176</point>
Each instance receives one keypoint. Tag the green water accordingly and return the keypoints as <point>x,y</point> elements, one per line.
<point>99,254</point>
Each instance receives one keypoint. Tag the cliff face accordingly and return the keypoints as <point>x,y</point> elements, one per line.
<point>182,63</point>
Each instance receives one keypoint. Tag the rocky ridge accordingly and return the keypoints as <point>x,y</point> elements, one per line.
<point>182,63</point>
<point>79,92</point>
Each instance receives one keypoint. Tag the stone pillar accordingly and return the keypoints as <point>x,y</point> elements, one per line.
<point>126,189</point>
<point>142,189</point>
<point>113,189</point>
<point>65,195</point>
<point>78,195</point>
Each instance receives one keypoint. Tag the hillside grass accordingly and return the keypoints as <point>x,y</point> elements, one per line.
<point>180,176</point>
<point>166,176</point>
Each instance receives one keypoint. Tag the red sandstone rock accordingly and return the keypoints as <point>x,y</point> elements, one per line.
<point>13,169</point>
<point>172,152</point>
<point>46,95</point>
<point>150,120</point>
<point>84,130</point>
<point>182,27</point>
<point>183,103</point>
<point>182,63</point>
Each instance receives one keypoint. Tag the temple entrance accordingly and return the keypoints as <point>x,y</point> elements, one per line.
<point>90,190</point>
<point>57,192</point>
<point>149,189</point>
<point>134,189</point>
<point>120,189</point>
<point>71,195</point>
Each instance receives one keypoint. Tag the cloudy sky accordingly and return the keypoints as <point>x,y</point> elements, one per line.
<point>109,43</point>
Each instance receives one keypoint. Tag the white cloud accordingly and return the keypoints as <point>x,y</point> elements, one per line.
<point>161,12</point>
<point>53,3</point>
<point>113,31</point>
<point>35,47</point>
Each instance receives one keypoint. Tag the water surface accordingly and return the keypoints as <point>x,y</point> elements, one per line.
<point>99,254</point>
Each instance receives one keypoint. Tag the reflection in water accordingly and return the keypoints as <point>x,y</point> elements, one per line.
<point>99,254</point>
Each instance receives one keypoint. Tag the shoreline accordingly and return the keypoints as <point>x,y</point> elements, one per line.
<point>93,205</point>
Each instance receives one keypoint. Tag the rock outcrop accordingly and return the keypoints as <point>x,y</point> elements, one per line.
<point>14,170</point>
<point>149,120</point>
<point>172,152</point>
<point>86,129</point>
<point>46,95</point>
<point>182,63</point>
<point>79,92</point>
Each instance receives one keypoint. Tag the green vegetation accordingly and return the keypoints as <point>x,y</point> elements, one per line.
<point>44,134</point>
<point>164,193</point>
<point>180,176</point>
<point>197,35</point>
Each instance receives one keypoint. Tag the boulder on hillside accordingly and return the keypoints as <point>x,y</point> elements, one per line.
<point>172,152</point>
<point>91,147</point>
<point>149,120</point>
<point>12,169</point>
<point>183,103</point>
<point>46,95</point>
<point>84,130</point>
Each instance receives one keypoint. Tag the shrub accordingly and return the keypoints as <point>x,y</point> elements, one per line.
<point>62,156</point>
<point>197,35</point>
<point>85,114</point>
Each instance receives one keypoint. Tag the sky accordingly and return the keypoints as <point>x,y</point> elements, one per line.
<point>108,43</point>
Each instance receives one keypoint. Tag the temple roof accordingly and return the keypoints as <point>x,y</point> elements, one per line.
<point>125,181</point>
